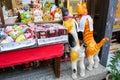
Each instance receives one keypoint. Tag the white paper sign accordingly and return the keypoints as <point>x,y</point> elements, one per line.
<point>52,40</point>
<point>17,45</point>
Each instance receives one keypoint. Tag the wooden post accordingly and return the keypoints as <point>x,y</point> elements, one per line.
<point>56,2</point>
<point>91,7</point>
<point>108,10</point>
<point>56,66</point>
<point>1,15</point>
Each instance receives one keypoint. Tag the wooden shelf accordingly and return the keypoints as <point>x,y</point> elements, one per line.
<point>116,30</point>
<point>58,21</point>
<point>114,45</point>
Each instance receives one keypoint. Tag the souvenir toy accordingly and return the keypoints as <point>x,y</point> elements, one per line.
<point>25,8</point>
<point>26,16</point>
<point>49,11</point>
<point>47,4</point>
<point>77,49</point>
<point>47,17</point>
<point>58,14</point>
<point>37,4</point>
<point>38,15</point>
<point>86,26</point>
<point>53,10</point>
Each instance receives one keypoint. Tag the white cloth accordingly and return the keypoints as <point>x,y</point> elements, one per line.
<point>83,21</point>
<point>76,24</point>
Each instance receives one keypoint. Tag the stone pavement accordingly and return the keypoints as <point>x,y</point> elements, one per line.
<point>46,73</point>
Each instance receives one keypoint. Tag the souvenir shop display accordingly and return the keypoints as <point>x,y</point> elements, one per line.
<point>25,16</point>
<point>29,13</point>
<point>24,36</point>
<point>39,11</point>
<point>16,37</point>
<point>32,11</point>
<point>52,29</point>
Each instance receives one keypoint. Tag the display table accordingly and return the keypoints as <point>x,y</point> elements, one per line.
<point>17,57</point>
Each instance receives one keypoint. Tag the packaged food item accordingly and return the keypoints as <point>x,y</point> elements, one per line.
<point>17,37</point>
<point>51,33</point>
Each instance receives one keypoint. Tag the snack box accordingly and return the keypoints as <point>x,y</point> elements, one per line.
<point>53,33</point>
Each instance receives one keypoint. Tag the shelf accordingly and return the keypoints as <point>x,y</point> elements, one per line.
<point>115,30</point>
<point>114,46</point>
<point>57,21</point>
<point>17,23</point>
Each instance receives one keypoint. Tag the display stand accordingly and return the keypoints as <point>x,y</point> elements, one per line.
<point>17,57</point>
<point>24,56</point>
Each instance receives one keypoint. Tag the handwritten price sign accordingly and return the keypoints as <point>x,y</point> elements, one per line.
<point>17,45</point>
<point>53,40</point>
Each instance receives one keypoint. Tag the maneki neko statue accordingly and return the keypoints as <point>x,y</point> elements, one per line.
<point>86,26</point>
<point>77,49</point>
<point>38,15</point>
<point>26,16</point>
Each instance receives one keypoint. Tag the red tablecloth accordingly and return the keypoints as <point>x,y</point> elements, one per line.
<point>26,55</point>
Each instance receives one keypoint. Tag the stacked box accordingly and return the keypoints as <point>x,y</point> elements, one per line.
<point>51,34</point>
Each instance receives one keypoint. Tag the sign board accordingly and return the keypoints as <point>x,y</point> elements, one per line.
<point>53,40</point>
<point>117,17</point>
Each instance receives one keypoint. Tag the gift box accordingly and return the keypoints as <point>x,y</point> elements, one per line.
<point>54,33</point>
<point>51,30</point>
<point>41,32</point>
<point>61,30</point>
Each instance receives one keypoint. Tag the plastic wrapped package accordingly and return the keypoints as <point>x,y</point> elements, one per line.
<point>17,37</point>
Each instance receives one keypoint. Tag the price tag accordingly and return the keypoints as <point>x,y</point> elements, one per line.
<point>52,40</point>
<point>17,45</point>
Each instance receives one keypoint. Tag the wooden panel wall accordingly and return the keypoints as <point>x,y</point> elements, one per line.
<point>104,25</point>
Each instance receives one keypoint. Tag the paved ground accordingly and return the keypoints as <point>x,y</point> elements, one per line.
<point>46,73</point>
